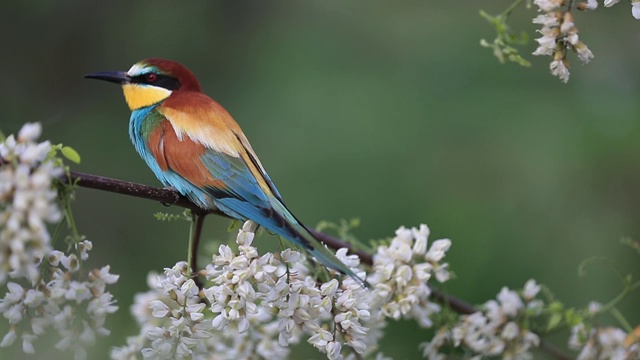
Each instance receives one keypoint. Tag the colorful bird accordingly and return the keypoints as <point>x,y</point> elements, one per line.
<point>192,144</point>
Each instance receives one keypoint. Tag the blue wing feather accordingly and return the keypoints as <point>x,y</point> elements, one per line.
<point>243,197</point>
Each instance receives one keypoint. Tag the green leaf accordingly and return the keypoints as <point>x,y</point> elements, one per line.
<point>574,319</point>
<point>235,225</point>
<point>554,320</point>
<point>71,154</point>
<point>556,306</point>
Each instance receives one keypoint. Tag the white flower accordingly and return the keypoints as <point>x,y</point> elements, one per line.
<point>583,52</point>
<point>245,237</point>
<point>9,338</point>
<point>594,307</point>
<point>510,331</point>
<point>75,309</point>
<point>351,260</point>
<point>290,256</point>
<point>158,308</point>
<point>593,4</point>
<point>333,350</point>
<point>437,250</point>
<point>547,5</point>
<point>84,247</point>
<point>559,68</point>
<point>601,343</point>
<point>572,38</point>
<point>609,3</point>
<point>27,343</point>
<point>421,235</point>
<point>547,43</point>
<point>259,305</point>
<point>103,276</point>
<point>510,301</point>
<point>494,331</point>
<point>546,20</point>
<point>28,204</point>
<point>568,26</point>
<point>249,328</point>
<point>29,132</point>
<point>54,257</point>
<point>531,289</point>
<point>34,298</point>
<point>401,271</point>
<point>34,154</point>
<point>635,9</point>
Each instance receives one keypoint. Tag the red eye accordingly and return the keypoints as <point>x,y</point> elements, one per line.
<point>151,77</point>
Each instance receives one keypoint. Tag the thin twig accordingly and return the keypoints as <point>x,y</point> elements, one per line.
<point>193,250</point>
<point>172,197</point>
<point>195,231</point>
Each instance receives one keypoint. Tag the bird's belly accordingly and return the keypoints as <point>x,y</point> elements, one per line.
<point>141,118</point>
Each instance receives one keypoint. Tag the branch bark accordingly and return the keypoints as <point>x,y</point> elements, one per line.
<point>169,196</point>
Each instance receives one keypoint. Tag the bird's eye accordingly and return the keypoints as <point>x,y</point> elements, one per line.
<point>151,77</point>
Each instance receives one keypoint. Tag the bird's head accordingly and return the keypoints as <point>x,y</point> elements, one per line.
<point>150,81</point>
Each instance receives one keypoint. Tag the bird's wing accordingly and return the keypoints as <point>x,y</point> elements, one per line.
<point>200,122</point>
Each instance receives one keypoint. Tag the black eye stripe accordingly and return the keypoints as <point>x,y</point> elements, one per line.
<point>164,81</point>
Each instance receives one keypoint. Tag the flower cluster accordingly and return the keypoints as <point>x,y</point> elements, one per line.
<point>263,304</point>
<point>72,301</point>
<point>602,342</point>
<point>46,288</point>
<point>401,271</point>
<point>497,330</point>
<point>184,325</point>
<point>559,34</point>
<point>169,315</point>
<point>27,203</point>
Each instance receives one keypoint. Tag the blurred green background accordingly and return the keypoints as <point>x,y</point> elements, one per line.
<point>386,111</point>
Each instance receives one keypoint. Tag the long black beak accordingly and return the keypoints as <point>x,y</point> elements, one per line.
<point>118,77</point>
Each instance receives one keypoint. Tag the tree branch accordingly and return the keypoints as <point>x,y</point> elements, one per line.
<point>169,196</point>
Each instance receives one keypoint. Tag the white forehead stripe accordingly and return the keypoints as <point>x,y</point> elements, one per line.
<point>138,69</point>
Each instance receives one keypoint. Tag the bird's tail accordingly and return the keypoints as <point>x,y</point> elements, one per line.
<point>293,230</point>
<point>279,220</point>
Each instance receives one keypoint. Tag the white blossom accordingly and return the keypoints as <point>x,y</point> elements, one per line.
<point>29,132</point>
<point>560,69</point>
<point>46,288</point>
<point>547,42</point>
<point>635,9</point>
<point>27,203</point>
<point>593,4</point>
<point>547,5</point>
<point>73,303</point>
<point>547,20</point>
<point>493,331</point>
<point>401,271</point>
<point>602,343</point>
<point>262,304</point>
<point>594,307</point>
<point>560,34</point>
<point>531,290</point>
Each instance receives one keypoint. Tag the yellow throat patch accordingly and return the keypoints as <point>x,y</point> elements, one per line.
<point>139,96</point>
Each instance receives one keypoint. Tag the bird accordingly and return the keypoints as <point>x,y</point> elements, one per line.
<point>192,144</point>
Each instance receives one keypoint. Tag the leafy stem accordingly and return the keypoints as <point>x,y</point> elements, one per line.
<point>502,45</point>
